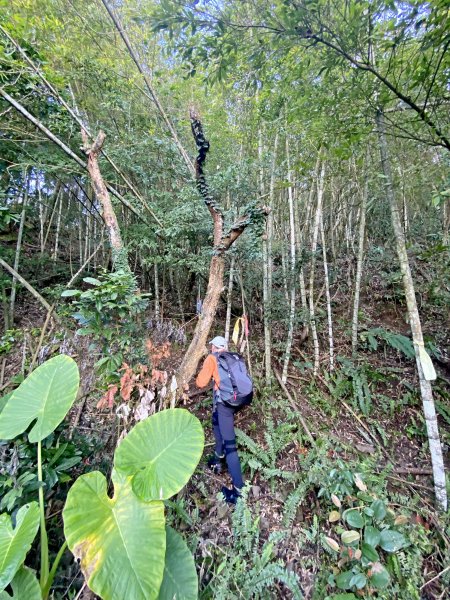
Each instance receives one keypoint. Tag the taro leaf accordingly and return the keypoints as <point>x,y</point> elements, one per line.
<point>379,509</point>
<point>369,552</point>
<point>160,453</point>
<point>25,586</point>
<point>45,395</point>
<point>343,580</point>
<point>180,577</point>
<point>4,401</point>
<point>391,541</point>
<point>349,537</point>
<point>354,518</point>
<point>358,580</point>
<point>378,576</point>
<point>15,543</point>
<point>372,536</point>
<point>121,541</point>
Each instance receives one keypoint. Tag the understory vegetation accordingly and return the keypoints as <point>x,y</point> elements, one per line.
<point>277,173</point>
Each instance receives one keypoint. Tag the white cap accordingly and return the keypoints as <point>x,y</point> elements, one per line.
<point>219,342</point>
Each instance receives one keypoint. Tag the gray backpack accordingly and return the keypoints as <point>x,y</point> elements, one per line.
<point>236,387</point>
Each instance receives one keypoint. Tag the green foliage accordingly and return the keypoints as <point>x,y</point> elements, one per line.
<point>8,340</point>
<point>161,453</point>
<point>155,460</point>
<point>397,341</point>
<point>106,535</point>
<point>18,477</point>
<point>366,554</point>
<point>108,306</point>
<point>264,460</point>
<point>248,568</point>
<point>7,216</point>
<point>16,542</point>
<point>46,395</point>
<point>24,585</point>
<point>352,381</point>
<point>180,577</point>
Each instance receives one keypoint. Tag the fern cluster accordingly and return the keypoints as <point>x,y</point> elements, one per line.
<point>264,460</point>
<point>250,568</point>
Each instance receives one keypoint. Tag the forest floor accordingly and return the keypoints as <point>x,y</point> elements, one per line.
<point>384,445</point>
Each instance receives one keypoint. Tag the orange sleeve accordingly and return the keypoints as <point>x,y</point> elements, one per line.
<point>208,371</point>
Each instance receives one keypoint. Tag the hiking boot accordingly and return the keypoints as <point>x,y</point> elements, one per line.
<point>231,496</point>
<point>216,464</point>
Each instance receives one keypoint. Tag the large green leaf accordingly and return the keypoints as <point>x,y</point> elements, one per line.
<point>378,576</point>
<point>354,518</point>
<point>25,586</point>
<point>15,543</point>
<point>180,577</point>
<point>391,541</point>
<point>46,395</point>
<point>372,535</point>
<point>161,453</point>
<point>121,541</point>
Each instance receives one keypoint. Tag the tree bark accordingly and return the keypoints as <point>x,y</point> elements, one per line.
<point>359,262</point>
<point>18,247</point>
<point>327,295</point>
<point>229,299</point>
<point>109,216</point>
<point>414,321</point>
<point>222,242</point>
<point>315,235</point>
<point>291,278</point>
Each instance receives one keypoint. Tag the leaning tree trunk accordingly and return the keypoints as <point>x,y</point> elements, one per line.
<point>416,327</point>
<point>119,254</point>
<point>222,242</point>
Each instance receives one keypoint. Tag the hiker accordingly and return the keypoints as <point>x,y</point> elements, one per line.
<point>232,390</point>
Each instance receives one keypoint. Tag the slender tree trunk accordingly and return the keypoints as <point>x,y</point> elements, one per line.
<point>229,299</point>
<point>327,295</point>
<point>18,247</point>
<point>155,271</point>
<point>284,268</point>
<point>315,234</point>
<point>56,196</point>
<point>58,226</point>
<point>292,278</point>
<point>416,327</point>
<point>267,271</point>
<point>359,262</point>
<point>42,217</point>
<point>301,235</point>
<point>244,338</point>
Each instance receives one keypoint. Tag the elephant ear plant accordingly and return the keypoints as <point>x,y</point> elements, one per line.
<point>43,399</point>
<point>126,551</point>
<point>125,548</point>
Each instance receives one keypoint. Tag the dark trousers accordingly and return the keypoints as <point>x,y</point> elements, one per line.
<point>223,427</point>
